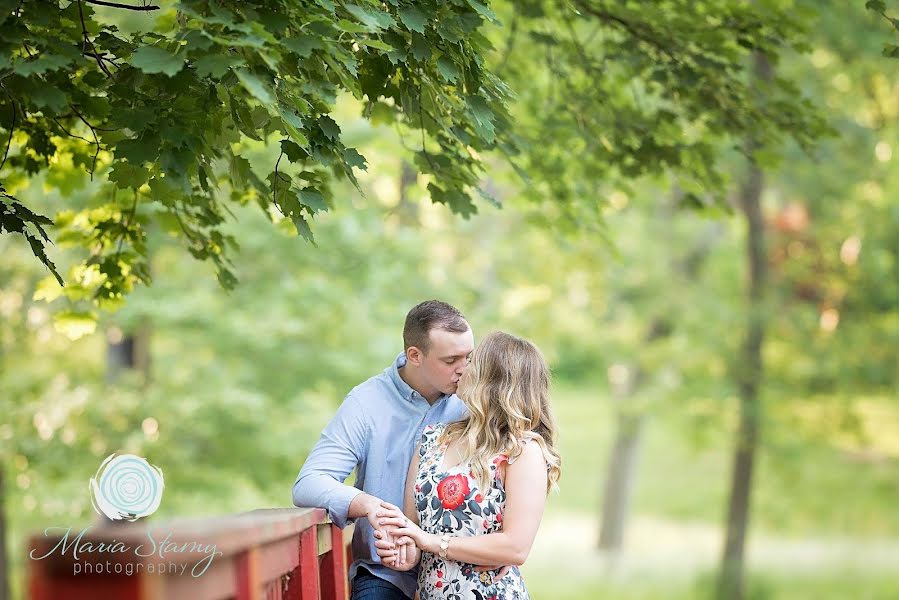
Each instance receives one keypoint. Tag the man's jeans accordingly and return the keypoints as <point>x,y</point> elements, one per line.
<point>368,587</point>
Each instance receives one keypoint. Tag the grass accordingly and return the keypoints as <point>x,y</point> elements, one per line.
<point>802,486</point>
<point>817,513</point>
<point>846,585</point>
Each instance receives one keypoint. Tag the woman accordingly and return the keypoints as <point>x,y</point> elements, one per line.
<point>476,488</point>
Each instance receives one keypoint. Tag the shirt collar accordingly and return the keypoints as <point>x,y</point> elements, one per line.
<point>402,387</point>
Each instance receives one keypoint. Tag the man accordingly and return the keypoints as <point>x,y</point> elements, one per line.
<point>375,431</point>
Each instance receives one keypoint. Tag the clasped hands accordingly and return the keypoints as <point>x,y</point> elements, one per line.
<point>400,542</point>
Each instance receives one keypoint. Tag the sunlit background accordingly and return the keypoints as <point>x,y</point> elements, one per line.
<point>641,319</point>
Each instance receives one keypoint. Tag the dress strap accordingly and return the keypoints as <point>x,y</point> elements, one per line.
<point>429,437</point>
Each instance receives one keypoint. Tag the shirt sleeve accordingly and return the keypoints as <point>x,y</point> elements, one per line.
<point>338,451</point>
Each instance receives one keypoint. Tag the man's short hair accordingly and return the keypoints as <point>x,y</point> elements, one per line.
<point>429,315</point>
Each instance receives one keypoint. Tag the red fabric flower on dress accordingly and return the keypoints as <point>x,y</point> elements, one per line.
<point>452,491</point>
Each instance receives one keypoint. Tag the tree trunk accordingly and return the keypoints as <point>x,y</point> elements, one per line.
<point>4,562</point>
<point>620,480</point>
<point>407,208</point>
<point>622,465</point>
<point>749,378</point>
<point>127,351</point>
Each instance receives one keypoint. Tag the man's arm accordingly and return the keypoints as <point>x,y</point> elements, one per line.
<point>338,451</point>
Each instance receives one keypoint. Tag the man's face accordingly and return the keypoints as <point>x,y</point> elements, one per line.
<point>446,359</point>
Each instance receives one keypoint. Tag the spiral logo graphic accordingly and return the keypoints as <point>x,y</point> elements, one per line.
<point>126,487</point>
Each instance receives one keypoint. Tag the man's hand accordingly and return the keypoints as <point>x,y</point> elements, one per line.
<point>369,506</point>
<point>399,555</point>
<point>503,571</point>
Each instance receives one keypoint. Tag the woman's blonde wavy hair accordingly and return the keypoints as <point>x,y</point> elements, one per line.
<point>506,391</point>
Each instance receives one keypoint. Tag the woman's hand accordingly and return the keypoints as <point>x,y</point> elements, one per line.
<point>400,554</point>
<point>390,516</point>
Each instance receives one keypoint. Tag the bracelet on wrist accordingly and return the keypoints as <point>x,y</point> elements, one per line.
<point>444,545</point>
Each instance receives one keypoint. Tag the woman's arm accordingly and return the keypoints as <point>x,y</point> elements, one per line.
<point>525,485</point>
<point>409,497</point>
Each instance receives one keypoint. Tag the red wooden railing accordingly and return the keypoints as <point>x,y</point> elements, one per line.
<point>269,554</point>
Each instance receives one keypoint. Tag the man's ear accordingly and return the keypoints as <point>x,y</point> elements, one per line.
<point>414,356</point>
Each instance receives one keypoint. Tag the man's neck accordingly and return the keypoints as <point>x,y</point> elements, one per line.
<point>410,377</point>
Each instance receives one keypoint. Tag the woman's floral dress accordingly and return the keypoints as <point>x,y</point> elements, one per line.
<point>449,501</point>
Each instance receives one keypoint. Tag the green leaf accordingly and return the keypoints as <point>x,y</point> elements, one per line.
<point>382,114</point>
<point>457,201</point>
<point>447,68</point>
<point>483,10</point>
<point>138,150</point>
<point>49,96</point>
<point>153,59</point>
<point>255,86</point>
<point>48,289</point>
<point>240,172</point>
<point>891,51</point>
<point>293,151</point>
<point>329,127</point>
<point>75,324</point>
<point>876,5</point>
<point>421,47</point>
<point>127,175</point>
<point>293,124</point>
<point>372,18</point>
<point>303,227</point>
<point>312,199</point>
<point>348,26</point>
<point>413,18</point>
<point>380,45</point>
<point>489,197</point>
<point>354,159</point>
<point>40,65</point>
<point>216,65</point>
<point>483,116</point>
<point>304,44</point>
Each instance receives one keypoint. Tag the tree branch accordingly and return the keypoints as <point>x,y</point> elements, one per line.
<point>144,7</point>
<point>12,129</point>
<point>421,123</point>
<point>122,234</point>
<point>96,139</point>
<point>510,44</point>
<point>275,180</point>
<point>69,133</point>
<point>88,42</point>
<point>630,27</point>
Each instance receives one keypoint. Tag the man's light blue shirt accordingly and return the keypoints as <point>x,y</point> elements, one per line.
<point>375,432</point>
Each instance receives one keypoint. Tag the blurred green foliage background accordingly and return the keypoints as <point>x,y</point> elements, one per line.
<point>641,314</point>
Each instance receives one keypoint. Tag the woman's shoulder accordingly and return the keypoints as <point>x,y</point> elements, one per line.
<point>527,449</point>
